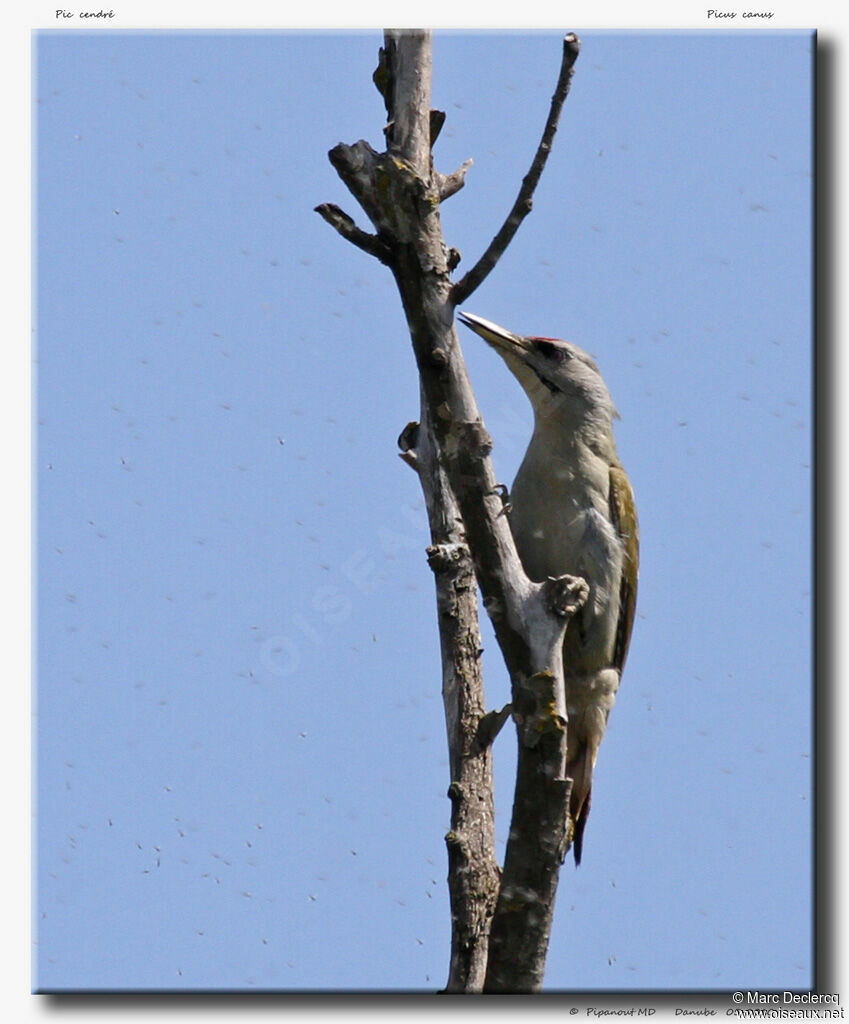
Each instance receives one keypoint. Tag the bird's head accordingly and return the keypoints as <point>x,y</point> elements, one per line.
<point>558,377</point>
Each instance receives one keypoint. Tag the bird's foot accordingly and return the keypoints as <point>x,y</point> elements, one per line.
<point>503,492</point>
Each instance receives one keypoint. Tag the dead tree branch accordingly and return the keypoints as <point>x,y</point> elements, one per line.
<point>524,200</point>
<point>346,227</point>
<point>473,874</point>
<point>400,191</point>
<point>451,183</point>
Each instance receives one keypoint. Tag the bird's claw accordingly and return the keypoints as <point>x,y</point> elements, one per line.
<point>503,492</point>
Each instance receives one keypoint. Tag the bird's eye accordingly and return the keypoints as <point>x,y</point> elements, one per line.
<point>549,350</point>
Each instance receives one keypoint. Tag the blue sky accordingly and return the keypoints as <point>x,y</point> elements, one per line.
<point>241,763</point>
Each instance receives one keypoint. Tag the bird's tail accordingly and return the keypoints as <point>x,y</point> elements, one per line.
<point>580,770</point>
<point>589,706</point>
<point>579,823</point>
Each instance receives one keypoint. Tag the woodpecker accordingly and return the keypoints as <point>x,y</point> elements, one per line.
<point>572,511</point>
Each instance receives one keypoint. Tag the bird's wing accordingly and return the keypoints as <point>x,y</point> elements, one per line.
<point>623,512</point>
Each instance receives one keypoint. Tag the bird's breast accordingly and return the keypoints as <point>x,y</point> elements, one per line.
<point>561,522</point>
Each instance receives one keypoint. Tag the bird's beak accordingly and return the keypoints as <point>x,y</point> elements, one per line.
<point>502,340</point>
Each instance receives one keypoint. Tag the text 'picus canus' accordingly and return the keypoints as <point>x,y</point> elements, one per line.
<point>572,511</point>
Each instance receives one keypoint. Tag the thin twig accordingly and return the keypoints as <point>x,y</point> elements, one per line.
<point>337,218</point>
<point>524,201</point>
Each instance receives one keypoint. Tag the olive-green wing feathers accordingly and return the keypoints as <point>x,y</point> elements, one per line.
<point>623,512</point>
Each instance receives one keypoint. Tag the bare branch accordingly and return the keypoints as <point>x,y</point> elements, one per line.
<point>338,219</point>
<point>472,868</point>
<point>409,55</point>
<point>521,926</point>
<point>451,183</point>
<point>524,201</point>
<point>491,725</point>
